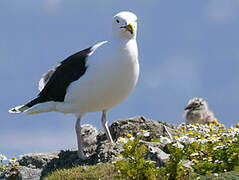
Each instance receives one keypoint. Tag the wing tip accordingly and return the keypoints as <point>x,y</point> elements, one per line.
<point>13,111</point>
<point>18,109</point>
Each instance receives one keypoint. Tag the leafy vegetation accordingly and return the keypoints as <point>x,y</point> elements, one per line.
<point>197,152</point>
<point>133,165</point>
<point>8,167</point>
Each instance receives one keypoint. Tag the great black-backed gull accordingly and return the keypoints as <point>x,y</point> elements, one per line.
<point>95,79</point>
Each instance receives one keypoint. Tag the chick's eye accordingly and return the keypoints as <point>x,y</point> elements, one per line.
<point>117,21</point>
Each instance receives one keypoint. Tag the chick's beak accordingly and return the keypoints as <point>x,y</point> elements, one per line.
<point>129,28</point>
<point>188,107</point>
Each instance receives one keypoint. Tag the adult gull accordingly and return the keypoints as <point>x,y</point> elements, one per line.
<point>94,79</point>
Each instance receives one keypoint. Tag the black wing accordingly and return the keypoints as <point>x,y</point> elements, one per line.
<point>60,77</point>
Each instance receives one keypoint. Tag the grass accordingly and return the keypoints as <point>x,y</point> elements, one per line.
<point>106,171</point>
<point>100,171</point>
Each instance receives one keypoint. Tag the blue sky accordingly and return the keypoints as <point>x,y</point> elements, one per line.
<point>187,49</point>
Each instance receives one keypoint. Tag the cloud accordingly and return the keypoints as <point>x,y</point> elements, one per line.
<point>52,6</point>
<point>222,10</point>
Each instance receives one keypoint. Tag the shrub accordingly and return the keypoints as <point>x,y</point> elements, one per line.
<point>196,150</point>
<point>132,164</point>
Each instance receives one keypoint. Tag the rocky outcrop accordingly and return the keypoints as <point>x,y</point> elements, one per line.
<point>37,165</point>
<point>135,124</point>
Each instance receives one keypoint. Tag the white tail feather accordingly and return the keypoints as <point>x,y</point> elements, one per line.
<point>42,107</point>
<point>18,109</point>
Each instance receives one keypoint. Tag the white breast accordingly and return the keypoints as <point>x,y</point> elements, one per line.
<point>111,75</point>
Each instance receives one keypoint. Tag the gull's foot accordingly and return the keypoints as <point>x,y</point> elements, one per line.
<point>112,143</point>
<point>81,156</point>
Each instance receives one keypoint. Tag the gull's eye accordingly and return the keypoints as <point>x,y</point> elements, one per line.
<point>117,21</point>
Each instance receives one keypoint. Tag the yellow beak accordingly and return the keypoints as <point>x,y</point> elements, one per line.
<point>129,28</point>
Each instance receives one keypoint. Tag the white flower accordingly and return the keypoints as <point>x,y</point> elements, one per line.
<point>182,138</point>
<point>190,141</point>
<point>195,154</point>
<point>165,140</point>
<point>214,139</point>
<point>122,140</point>
<point>234,139</point>
<point>236,130</point>
<point>210,159</point>
<point>3,157</point>
<point>12,160</point>
<point>218,147</point>
<point>186,163</point>
<point>202,141</point>
<point>117,157</point>
<point>143,133</point>
<point>178,145</point>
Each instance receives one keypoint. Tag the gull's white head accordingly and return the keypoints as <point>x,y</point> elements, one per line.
<point>124,25</point>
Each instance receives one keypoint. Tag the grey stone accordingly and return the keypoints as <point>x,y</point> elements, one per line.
<point>156,153</point>
<point>26,173</point>
<point>38,165</point>
<point>135,124</point>
<point>36,160</point>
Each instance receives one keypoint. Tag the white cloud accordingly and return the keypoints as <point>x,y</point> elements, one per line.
<point>52,6</point>
<point>222,10</point>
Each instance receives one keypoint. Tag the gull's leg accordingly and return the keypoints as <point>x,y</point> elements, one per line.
<point>104,124</point>
<point>79,139</point>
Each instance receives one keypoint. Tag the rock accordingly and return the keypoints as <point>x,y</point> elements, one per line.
<point>36,160</point>
<point>156,153</point>
<point>38,165</point>
<point>105,151</point>
<point>25,173</point>
<point>65,159</point>
<point>135,124</point>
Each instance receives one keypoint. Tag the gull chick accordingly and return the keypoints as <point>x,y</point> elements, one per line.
<point>197,111</point>
<point>89,135</point>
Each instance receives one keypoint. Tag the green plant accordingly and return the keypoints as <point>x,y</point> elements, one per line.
<point>96,172</point>
<point>3,158</point>
<point>133,164</point>
<point>207,149</point>
<point>8,166</point>
<point>197,150</point>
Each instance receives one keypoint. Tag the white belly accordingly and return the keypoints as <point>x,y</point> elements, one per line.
<point>102,87</point>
